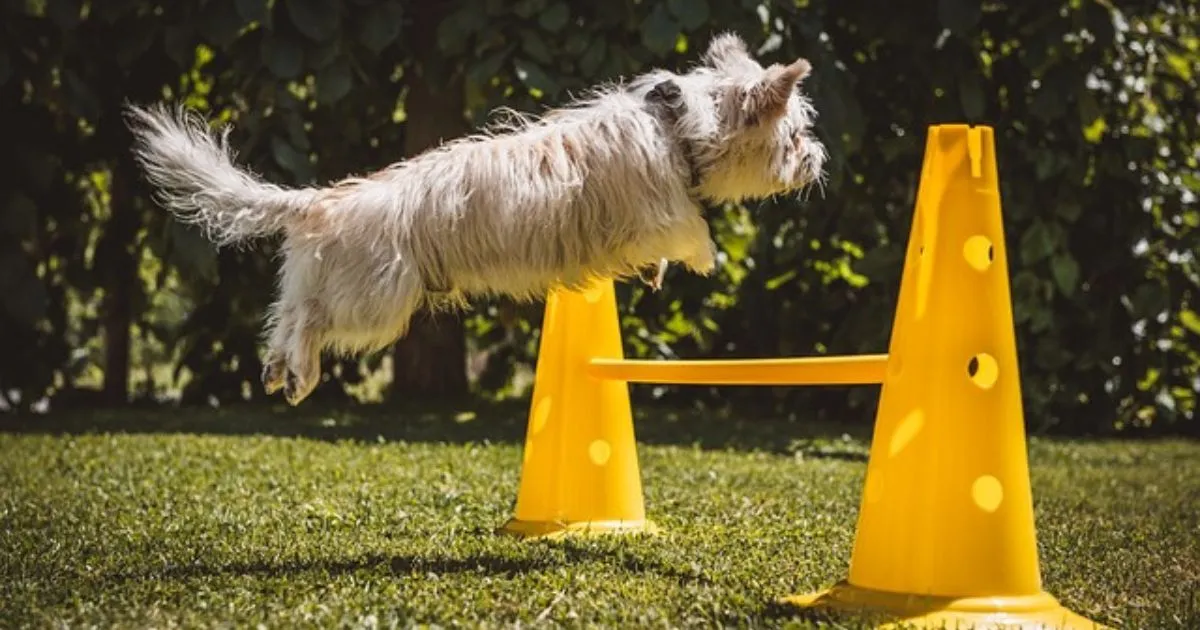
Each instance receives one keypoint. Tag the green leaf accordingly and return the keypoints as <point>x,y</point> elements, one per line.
<point>1190,320</point>
<point>1181,65</point>
<point>19,217</point>
<point>574,46</point>
<point>1066,273</point>
<point>881,263</point>
<point>297,135</point>
<point>482,72</point>
<point>1091,118</point>
<point>38,166</point>
<point>81,100</point>
<point>1051,98</point>
<point>334,82</point>
<point>1050,355</point>
<point>133,45</point>
<point>317,20</point>
<point>1190,180</point>
<point>23,295</point>
<point>534,46</point>
<point>1089,109</point>
<point>1037,51</point>
<point>1042,320</point>
<point>692,14</point>
<point>970,95</point>
<point>252,10</point>
<point>191,251</point>
<point>1069,211</point>
<point>180,44</point>
<point>526,9</point>
<point>590,62</point>
<point>1037,242</point>
<point>66,14</point>
<point>1046,165</point>
<point>291,159</point>
<point>286,101</point>
<point>282,55</point>
<point>323,54</point>
<point>659,31</point>
<point>555,18</point>
<point>1148,300</point>
<point>113,11</point>
<point>220,23</point>
<point>381,26</point>
<point>534,76</point>
<point>774,283</point>
<point>960,16</point>
<point>455,31</point>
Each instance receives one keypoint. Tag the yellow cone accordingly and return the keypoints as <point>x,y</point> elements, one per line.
<point>580,471</point>
<point>946,529</point>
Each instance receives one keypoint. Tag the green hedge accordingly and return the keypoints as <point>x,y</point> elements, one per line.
<point>1094,109</point>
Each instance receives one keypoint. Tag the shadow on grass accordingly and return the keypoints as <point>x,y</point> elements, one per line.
<point>419,565</point>
<point>783,613</point>
<point>469,422</point>
<point>488,564</point>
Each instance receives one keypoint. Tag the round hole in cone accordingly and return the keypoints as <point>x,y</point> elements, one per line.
<point>983,370</point>
<point>979,252</point>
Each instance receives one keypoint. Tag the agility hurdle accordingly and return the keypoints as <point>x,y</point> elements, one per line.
<point>945,532</point>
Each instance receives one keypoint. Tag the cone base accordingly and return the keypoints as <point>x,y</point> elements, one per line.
<point>559,529</point>
<point>1041,611</point>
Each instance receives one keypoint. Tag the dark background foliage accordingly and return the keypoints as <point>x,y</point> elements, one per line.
<point>106,301</point>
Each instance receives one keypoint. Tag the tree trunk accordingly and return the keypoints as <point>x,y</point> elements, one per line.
<point>119,270</point>
<point>431,360</point>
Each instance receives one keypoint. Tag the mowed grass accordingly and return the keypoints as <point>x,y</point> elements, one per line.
<point>238,518</point>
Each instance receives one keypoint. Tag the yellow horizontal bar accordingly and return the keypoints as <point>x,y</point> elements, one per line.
<point>864,369</point>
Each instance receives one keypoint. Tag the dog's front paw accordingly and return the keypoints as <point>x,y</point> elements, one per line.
<point>705,263</point>
<point>653,275</point>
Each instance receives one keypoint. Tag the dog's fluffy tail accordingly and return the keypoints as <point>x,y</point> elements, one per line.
<point>193,173</point>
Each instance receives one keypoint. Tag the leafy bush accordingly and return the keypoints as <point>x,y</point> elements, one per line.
<point>1094,108</point>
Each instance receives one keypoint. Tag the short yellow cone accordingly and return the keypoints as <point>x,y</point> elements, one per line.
<point>580,471</point>
<point>946,530</point>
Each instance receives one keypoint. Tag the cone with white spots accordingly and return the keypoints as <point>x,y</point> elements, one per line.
<point>580,470</point>
<point>946,526</point>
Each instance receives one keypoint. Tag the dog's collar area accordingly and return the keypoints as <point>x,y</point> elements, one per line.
<point>689,156</point>
<point>695,174</point>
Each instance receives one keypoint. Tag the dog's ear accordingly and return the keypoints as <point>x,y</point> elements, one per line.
<point>727,51</point>
<point>768,98</point>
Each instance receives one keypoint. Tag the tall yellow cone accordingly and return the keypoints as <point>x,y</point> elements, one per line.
<point>946,530</point>
<point>580,471</point>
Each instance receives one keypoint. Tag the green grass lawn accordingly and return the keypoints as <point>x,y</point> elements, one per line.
<point>239,517</point>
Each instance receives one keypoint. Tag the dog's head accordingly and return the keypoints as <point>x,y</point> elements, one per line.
<point>750,127</point>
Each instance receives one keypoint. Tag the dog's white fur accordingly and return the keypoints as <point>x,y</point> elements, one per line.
<point>598,189</point>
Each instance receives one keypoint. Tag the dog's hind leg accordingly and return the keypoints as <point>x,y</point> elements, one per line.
<point>309,328</point>
<point>278,330</point>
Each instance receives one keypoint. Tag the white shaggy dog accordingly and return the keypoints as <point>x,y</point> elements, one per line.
<point>604,188</point>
